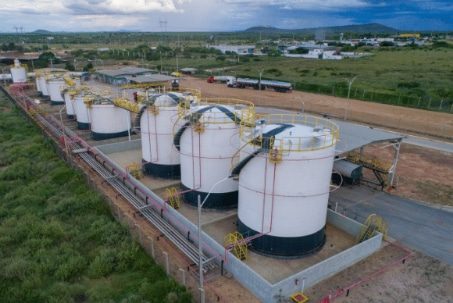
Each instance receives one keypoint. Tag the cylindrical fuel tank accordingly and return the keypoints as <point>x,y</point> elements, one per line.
<point>284,184</point>
<point>38,87</point>
<point>18,73</point>
<point>43,86</point>
<point>55,87</point>
<point>82,112</point>
<point>109,121</point>
<point>207,141</point>
<point>157,122</point>
<point>68,100</point>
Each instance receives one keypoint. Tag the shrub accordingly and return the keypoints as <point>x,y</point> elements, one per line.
<point>411,84</point>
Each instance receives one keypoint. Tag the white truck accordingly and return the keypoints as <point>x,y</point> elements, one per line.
<point>278,86</point>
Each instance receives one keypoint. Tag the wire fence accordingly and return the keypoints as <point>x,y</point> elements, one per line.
<point>421,102</point>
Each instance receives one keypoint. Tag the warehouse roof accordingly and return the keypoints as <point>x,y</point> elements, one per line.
<point>125,71</point>
<point>354,136</point>
<point>149,78</point>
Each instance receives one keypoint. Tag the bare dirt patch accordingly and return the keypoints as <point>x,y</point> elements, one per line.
<point>423,174</point>
<point>419,279</point>
<point>402,118</point>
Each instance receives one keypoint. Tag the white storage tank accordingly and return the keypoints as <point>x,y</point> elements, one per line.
<point>207,142</point>
<point>284,184</point>
<point>107,120</point>
<point>71,88</point>
<point>81,111</point>
<point>158,119</point>
<point>55,87</point>
<point>18,72</point>
<point>37,82</point>
<point>43,85</point>
<point>69,103</point>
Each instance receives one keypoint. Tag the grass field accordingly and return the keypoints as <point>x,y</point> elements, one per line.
<point>421,78</point>
<point>58,240</point>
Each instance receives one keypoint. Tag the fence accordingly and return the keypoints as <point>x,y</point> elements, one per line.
<point>400,99</point>
<point>421,102</point>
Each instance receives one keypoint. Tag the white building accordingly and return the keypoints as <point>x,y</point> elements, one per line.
<point>238,49</point>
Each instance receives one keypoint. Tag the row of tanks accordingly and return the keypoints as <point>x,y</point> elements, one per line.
<point>91,111</point>
<point>276,170</point>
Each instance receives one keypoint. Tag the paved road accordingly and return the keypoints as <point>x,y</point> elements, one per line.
<point>410,139</point>
<point>426,229</point>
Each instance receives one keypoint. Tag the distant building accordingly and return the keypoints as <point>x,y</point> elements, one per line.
<point>122,75</point>
<point>385,40</point>
<point>188,70</point>
<point>409,35</point>
<point>331,55</point>
<point>154,79</point>
<point>238,49</point>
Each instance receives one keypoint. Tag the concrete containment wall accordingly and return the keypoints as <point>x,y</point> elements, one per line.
<point>261,288</point>
<point>242,272</point>
<point>331,266</point>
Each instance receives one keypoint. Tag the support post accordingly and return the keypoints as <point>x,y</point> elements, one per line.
<point>200,258</point>
<point>362,149</point>
<point>202,298</point>
<point>396,155</point>
<point>183,276</point>
<point>140,237</point>
<point>152,249</point>
<point>167,264</point>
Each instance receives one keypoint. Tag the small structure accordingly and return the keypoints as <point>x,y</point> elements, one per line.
<point>18,72</point>
<point>188,70</point>
<point>152,79</point>
<point>120,76</point>
<point>238,49</point>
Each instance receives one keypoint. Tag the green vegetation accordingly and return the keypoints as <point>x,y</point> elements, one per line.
<point>413,76</point>
<point>58,240</point>
<point>421,78</point>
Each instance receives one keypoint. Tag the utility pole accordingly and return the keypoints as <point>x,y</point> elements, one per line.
<point>261,74</point>
<point>350,81</point>
<point>160,52</point>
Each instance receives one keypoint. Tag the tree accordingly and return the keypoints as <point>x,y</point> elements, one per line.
<point>69,66</point>
<point>88,67</point>
<point>45,58</point>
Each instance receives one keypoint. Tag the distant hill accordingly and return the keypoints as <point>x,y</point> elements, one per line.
<point>41,31</point>
<point>373,28</point>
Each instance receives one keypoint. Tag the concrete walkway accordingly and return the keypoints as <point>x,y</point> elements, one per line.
<point>426,229</point>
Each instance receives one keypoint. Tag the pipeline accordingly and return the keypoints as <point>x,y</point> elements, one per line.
<point>333,295</point>
<point>114,175</point>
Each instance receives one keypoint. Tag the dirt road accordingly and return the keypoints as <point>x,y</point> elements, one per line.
<point>395,117</point>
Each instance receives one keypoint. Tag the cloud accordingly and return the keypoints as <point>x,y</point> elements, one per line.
<point>92,7</point>
<point>121,7</point>
<point>38,7</point>
<point>219,15</point>
<point>313,5</point>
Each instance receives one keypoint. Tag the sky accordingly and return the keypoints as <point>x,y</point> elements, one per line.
<point>220,15</point>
